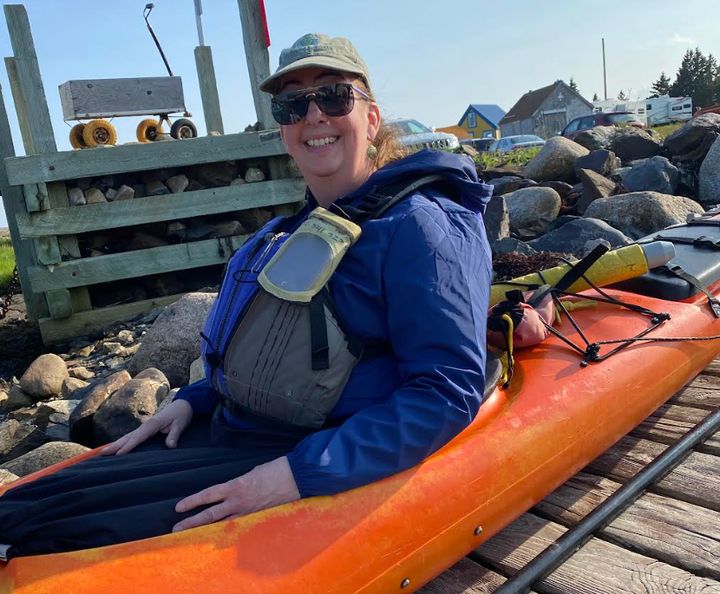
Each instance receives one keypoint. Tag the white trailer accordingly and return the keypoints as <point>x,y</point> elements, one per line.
<point>637,107</point>
<point>666,109</point>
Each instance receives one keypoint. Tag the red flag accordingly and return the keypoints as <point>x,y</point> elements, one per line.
<point>263,15</point>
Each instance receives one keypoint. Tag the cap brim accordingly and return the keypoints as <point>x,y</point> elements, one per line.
<point>270,84</point>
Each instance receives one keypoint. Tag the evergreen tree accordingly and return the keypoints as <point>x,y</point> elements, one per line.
<point>697,77</point>
<point>661,86</point>
<point>621,95</point>
<point>573,85</point>
<point>595,97</point>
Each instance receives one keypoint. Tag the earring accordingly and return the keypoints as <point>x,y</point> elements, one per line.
<point>372,152</point>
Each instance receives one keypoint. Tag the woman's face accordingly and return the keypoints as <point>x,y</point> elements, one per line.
<point>331,152</point>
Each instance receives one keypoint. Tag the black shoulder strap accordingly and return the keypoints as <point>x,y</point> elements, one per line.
<point>379,200</point>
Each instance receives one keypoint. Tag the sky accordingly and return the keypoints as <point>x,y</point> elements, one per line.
<point>428,59</point>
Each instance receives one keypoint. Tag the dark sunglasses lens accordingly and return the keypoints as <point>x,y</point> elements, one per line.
<point>289,111</point>
<point>335,100</point>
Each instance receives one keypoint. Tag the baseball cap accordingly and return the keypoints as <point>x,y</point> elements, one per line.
<point>317,50</point>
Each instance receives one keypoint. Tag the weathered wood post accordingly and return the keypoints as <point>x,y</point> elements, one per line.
<point>257,56</point>
<point>206,79</point>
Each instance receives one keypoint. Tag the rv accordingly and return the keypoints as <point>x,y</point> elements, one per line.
<point>621,105</point>
<point>666,109</point>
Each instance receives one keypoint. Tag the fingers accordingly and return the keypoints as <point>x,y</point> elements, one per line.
<point>205,497</point>
<point>129,442</point>
<point>176,429</point>
<point>208,516</point>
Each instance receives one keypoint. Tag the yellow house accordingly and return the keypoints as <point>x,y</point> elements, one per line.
<point>482,120</point>
<point>461,133</point>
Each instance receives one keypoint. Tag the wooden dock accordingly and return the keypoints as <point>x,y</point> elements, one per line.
<point>667,541</point>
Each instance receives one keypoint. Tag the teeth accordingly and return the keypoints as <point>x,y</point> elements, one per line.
<point>321,141</point>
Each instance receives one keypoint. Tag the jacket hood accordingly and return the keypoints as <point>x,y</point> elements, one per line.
<point>459,170</point>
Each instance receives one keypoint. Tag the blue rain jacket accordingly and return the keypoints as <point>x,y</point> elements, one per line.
<point>418,278</point>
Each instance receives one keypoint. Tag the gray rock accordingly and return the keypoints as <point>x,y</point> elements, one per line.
<point>562,188</point>
<point>177,183</point>
<point>125,193</point>
<point>70,385</point>
<point>92,397</point>
<point>139,190</point>
<point>600,161</point>
<point>510,245</point>
<point>555,161</point>
<point>18,438</point>
<point>94,196</point>
<point>631,143</point>
<point>142,241</point>
<point>572,238</point>
<point>173,341</point>
<point>57,432</point>
<point>76,197</point>
<point>176,231</point>
<point>253,218</point>
<point>44,377</point>
<point>709,179</point>
<point>81,373</point>
<point>7,477</point>
<point>692,135</point>
<point>496,219</point>
<point>254,174</point>
<point>197,371</point>
<point>656,174</point>
<point>156,188</point>
<point>532,210</point>
<point>15,398</point>
<point>238,181</point>
<point>42,457</point>
<point>110,194</point>
<point>640,213</point>
<point>216,174</point>
<point>130,406</point>
<point>57,411</point>
<point>126,337</point>
<point>596,138</point>
<point>509,183</point>
<point>594,186</point>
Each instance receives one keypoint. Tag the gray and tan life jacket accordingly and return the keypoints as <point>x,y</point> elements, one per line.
<point>273,346</point>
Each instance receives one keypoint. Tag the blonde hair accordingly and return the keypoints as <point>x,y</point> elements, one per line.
<point>386,140</point>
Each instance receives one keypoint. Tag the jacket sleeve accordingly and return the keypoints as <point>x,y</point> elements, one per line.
<point>437,277</point>
<point>201,396</point>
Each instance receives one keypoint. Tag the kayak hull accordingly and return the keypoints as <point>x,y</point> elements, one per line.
<point>555,418</point>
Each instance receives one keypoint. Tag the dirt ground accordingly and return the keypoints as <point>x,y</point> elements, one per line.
<point>20,341</point>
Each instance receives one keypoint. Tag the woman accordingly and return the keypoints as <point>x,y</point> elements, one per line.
<point>412,291</point>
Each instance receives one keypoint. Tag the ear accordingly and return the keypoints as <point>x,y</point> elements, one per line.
<point>374,120</point>
<point>282,137</point>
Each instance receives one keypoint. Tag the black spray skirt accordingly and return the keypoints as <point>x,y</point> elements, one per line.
<point>112,499</point>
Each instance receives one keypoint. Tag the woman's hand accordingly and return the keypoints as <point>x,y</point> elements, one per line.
<point>264,486</point>
<point>173,420</point>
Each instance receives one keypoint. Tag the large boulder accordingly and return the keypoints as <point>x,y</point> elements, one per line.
<point>656,174</point>
<point>18,438</point>
<point>640,213</point>
<point>532,210</point>
<point>130,406</point>
<point>693,140</point>
<point>45,376</point>
<point>81,428</point>
<point>709,179</point>
<point>594,186</point>
<point>42,457</point>
<point>573,237</point>
<point>630,143</point>
<point>509,183</point>
<point>555,161</point>
<point>496,219</point>
<point>600,161</point>
<point>597,138</point>
<point>173,341</point>
<point>510,245</point>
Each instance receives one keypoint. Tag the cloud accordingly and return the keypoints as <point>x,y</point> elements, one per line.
<point>678,39</point>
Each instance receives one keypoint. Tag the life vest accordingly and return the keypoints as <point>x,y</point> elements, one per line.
<point>272,345</point>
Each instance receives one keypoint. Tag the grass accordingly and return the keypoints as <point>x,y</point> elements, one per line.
<point>7,261</point>
<point>517,157</point>
<point>666,130</point>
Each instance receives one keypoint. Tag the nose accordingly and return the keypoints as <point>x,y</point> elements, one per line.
<point>314,114</point>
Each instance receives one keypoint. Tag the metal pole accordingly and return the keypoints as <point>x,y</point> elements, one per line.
<point>565,546</point>
<point>198,22</point>
<point>604,71</point>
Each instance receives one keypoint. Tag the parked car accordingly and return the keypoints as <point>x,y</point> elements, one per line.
<point>481,145</point>
<point>614,118</point>
<point>512,143</point>
<point>415,135</point>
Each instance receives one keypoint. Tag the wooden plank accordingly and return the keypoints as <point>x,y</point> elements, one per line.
<point>702,392</point>
<point>696,480</point>
<point>257,58</point>
<point>670,422</point>
<point>60,304</point>
<point>673,531</point>
<point>103,269</point>
<point>20,107</point>
<point>31,84</point>
<point>141,157</point>
<point>208,89</point>
<point>465,577</point>
<point>108,215</point>
<point>88,323</point>
<point>713,368</point>
<point>599,567</point>
<point>14,204</point>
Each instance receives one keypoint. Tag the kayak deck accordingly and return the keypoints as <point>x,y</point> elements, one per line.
<point>675,526</point>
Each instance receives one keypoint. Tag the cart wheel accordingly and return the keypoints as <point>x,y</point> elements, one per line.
<point>183,128</point>
<point>76,136</point>
<point>99,133</point>
<point>148,130</point>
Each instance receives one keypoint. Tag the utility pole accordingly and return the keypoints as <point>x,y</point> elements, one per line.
<point>206,78</point>
<point>604,71</point>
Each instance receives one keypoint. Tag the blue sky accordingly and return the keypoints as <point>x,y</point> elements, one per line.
<point>428,59</point>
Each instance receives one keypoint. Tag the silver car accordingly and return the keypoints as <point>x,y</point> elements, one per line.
<point>511,143</point>
<point>415,136</point>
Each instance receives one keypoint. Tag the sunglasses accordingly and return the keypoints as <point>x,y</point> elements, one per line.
<point>335,100</point>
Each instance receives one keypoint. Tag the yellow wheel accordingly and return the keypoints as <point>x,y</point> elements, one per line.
<point>148,130</point>
<point>99,132</point>
<point>76,136</point>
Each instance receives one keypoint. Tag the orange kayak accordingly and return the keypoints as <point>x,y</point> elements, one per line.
<point>400,532</point>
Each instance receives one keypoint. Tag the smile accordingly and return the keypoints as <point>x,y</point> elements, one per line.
<point>321,141</point>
